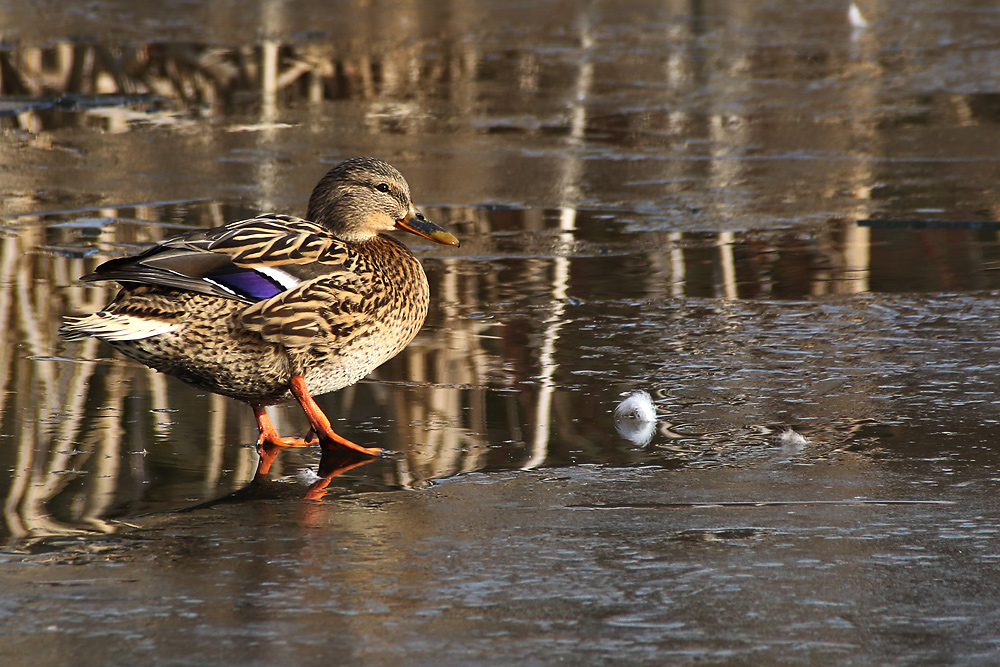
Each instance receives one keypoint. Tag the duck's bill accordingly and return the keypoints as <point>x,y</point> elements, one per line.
<point>421,226</point>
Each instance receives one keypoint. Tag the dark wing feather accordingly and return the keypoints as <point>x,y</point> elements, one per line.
<point>223,261</point>
<point>167,267</point>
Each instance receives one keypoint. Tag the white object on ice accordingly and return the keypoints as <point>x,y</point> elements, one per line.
<point>638,405</point>
<point>307,476</point>
<point>635,418</point>
<point>791,439</point>
<point>855,17</point>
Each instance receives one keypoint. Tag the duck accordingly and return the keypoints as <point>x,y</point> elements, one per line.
<point>276,307</point>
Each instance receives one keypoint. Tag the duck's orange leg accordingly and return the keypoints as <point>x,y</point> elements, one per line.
<point>328,440</point>
<point>269,442</point>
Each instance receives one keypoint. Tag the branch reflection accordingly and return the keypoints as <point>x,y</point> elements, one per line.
<point>93,436</point>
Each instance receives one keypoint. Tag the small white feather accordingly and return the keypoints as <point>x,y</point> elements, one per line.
<point>856,18</point>
<point>307,476</point>
<point>635,418</point>
<point>791,439</point>
<point>638,405</point>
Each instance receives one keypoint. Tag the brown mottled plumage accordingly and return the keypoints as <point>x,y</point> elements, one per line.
<point>265,309</point>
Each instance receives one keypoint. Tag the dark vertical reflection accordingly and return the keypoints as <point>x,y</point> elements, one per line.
<point>498,378</point>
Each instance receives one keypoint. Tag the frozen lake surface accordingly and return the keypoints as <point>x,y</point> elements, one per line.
<point>781,227</point>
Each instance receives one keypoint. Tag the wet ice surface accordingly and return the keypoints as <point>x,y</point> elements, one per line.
<point>649,200</point>
<point>580,564</point>
<point>871,536</point>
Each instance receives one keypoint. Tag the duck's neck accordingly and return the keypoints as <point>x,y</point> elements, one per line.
<point>390,258</point>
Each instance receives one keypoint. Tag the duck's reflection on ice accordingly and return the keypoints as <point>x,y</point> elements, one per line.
<point>332,464</point>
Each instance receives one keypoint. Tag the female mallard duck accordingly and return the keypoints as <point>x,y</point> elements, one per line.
<point>276,307</point>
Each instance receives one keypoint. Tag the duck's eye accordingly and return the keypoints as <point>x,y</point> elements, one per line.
<point>382,187</point>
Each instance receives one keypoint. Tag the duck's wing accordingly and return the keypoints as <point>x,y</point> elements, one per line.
<point>248,260</point>
<point>334,308</point>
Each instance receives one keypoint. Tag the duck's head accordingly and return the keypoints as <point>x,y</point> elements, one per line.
<point>363,196</point>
